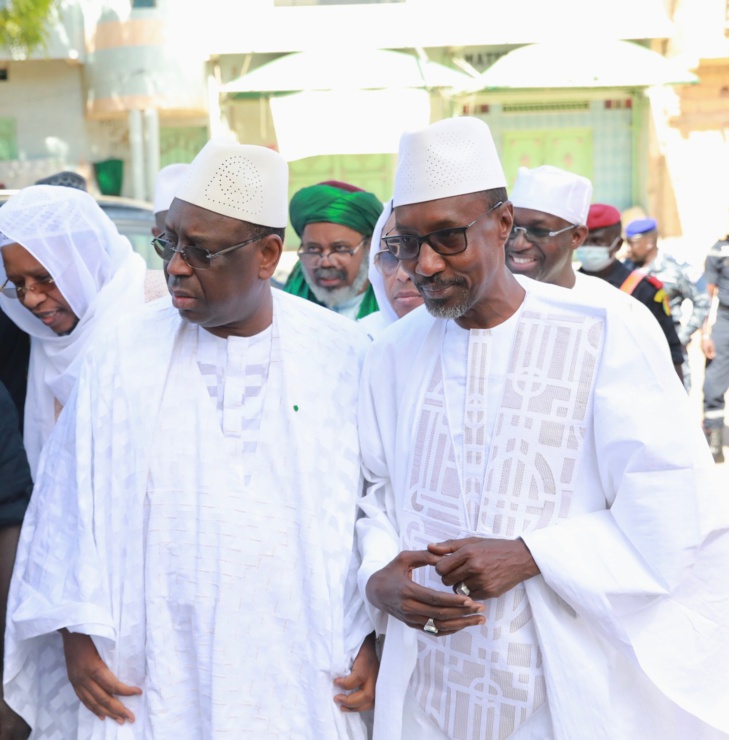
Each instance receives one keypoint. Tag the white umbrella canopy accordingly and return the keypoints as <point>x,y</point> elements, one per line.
<point>374,69</point>
<point>589,63</point>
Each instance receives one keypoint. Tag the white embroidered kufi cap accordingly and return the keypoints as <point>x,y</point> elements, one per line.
<point>166,184</point>
<point>552,190</point>
<point>242,181</point>
<point>455,156</point>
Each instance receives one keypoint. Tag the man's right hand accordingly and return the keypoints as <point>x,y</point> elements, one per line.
<point>94,684</point>
<point>392,590</point>
<point>708,348</point>
<point>12,726</point>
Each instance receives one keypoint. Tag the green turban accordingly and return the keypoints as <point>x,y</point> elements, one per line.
<point>337,204</point>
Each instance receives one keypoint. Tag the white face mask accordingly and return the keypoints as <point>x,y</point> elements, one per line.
<point>594,258</point>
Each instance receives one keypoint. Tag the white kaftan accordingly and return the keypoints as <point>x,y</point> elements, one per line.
<point>210,562</point>
<point>581,441</point>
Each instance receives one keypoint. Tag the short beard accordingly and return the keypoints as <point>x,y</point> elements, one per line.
<point>332,297</point>
<point>442,310</point>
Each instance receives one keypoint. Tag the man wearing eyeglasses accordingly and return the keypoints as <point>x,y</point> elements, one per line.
<point>551,210</point>
<point>191,531</point>
<point>396,294</point>
<point>531,523</point>
<point>334,221</point>
<point>542,242</point>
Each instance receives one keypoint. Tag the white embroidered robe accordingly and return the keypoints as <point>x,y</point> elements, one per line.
<point>595,460</point>
<point>217,579</point>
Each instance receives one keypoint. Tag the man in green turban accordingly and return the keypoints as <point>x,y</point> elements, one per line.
<point>334,221</point>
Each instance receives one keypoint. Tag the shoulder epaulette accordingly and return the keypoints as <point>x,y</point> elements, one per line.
<point>654,281</point>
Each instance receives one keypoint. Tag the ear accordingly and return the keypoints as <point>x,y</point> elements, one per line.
<point>506,220</point>
<point>269,250</point>
<point>578,236</point>
<point>617,247</point>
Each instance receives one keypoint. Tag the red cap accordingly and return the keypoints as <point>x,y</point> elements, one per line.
<point>601,216</point>
<point>342,186</point>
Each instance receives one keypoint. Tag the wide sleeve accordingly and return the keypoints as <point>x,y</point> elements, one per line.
<point>643,572</point>
<point>377,531</point>
<point>58,576</point>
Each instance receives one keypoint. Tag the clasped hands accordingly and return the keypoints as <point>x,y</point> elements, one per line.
<point>489,567</point>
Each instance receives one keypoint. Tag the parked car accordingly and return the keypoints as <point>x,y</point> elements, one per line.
<point>133,218</point>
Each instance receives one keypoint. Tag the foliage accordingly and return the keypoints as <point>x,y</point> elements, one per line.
<point>24,24</point>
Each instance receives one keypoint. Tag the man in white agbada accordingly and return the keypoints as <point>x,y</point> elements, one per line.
<point>66,278</point>
<point>551,208</point>
<point>188,542</point>
<point>396,295</point>
<point>538,545</point>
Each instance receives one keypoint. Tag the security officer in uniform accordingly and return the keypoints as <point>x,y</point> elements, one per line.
<point>597,256</point>
<point>679,280</point>
<point>715,345</point>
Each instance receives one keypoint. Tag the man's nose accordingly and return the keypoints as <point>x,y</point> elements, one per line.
<point>400,275</point>
<point>178,266</point>
<point>429,261</point>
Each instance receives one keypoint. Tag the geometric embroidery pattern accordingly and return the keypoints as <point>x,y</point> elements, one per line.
<point>484,682</point>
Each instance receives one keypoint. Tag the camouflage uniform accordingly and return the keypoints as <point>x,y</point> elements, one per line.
<point>681,281</point>
<point>716,380</point>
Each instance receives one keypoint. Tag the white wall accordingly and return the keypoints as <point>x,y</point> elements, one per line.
<point>46,100</point>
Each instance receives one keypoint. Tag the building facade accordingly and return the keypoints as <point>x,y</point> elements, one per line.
<point>145,83</point>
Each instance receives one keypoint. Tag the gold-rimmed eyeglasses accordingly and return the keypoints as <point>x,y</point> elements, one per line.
<point>10,290</point>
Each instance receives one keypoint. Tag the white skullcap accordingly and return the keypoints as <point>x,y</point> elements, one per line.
<point>242,181</point>
<point>165,185</point>
<point>451,157</point>
<point>552,190</point>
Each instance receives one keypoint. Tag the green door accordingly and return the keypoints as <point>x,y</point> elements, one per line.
<point>8,139</point>
<point>568,148</point>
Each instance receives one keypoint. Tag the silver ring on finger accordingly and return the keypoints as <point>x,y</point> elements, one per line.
<point>462,589</point>
<point>430,627</point>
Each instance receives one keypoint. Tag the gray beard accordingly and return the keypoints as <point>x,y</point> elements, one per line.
<point>443,311</point>
<point>447,312</point>
<point>337,296</point>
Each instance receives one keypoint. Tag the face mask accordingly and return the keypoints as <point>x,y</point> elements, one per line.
<point>594,259</point>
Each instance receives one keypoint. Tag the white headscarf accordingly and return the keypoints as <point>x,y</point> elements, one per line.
<point>96,271</point>
<point>374,323</point>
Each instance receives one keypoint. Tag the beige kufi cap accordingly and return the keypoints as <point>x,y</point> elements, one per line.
<point>242,181</point>
<point>166,184</point>
<point>552,190</point>
<point>451,157</point>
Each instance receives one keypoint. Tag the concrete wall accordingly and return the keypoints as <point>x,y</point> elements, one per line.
<point>46,100</point>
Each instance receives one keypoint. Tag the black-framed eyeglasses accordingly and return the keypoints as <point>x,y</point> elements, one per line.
<point>11,290</point>
<point>535,235</point>
<point>195,257</point>
<point>444,241</point>
<point>386,262</point>
<point>316,253</point>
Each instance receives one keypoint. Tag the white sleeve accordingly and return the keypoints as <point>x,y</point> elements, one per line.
<point>644,571</point>
<point>377,530</point>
